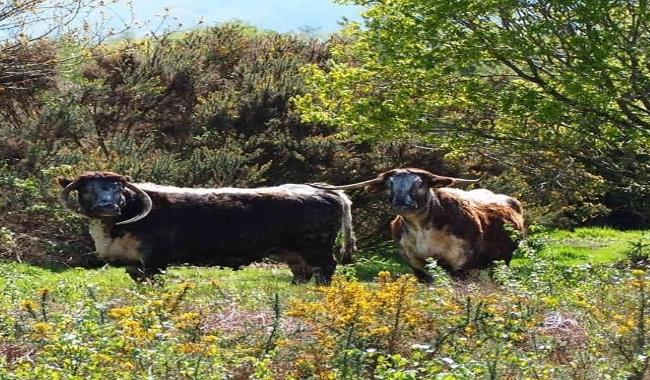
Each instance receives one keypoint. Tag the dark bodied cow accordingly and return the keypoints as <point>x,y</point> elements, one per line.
<point>462,230</point>
<point>148,227</point>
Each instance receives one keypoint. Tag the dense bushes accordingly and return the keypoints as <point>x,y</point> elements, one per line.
<point>214,107</point>
<point>204,108</point>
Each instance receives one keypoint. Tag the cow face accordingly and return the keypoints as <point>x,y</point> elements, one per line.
<point>104,195</point>
<point>408,189</point>
<point>101,197</point>
<point>408,193</point>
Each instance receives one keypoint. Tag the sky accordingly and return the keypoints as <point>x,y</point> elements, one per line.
<point>278,15</point>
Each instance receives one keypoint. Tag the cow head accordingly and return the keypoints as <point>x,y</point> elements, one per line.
<point>408,190</point>
<point>103,195</point>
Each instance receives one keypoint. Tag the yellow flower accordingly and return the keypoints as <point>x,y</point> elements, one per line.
<point>380,331</point>
<point>42,328</point>
<point>383,276</point>
<point>43,292</point>
<point>156,304</point>
<point>551,301</point>
<point>638,272</point>
<point>210,339</point>
<point>127,366</point>
<point>28,305</point>
<point>103,358</point>
<point>121,312</point>
<point>189,348</point>
<point>188,320</point>
<point>283,342</point>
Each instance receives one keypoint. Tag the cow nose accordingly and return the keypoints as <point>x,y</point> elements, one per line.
<point>404,204</point>
<point>106,209</point>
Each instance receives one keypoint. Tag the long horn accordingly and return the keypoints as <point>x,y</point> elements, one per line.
<point>66,192</point>
<point>347,187</point>
<point>146,199</point>
<point>461,181</point>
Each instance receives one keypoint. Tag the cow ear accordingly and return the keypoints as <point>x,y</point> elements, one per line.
<point>375,187</point>
<point>63,182</point>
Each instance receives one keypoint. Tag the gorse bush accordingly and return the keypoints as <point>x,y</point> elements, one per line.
<point>210,107</point>
<point>205,108</point>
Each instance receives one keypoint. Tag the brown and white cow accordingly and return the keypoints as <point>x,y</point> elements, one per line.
<point>462,230</point>
<point>148,227</point>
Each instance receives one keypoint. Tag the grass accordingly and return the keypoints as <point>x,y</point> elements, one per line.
<point>253,324</point>
<point>587,245</point>
<point>583,245</point>
<point>590,245</point>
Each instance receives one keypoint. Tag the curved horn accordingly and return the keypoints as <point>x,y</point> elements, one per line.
<point>66,192</point>
<point>146,199</point>
<point>348,187</point>
<point>461,181</point>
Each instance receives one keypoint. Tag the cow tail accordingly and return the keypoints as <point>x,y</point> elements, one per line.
<point>349,241</point>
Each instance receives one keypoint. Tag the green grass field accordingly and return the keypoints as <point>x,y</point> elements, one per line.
<point>545,317</point>
<point>589,245</point>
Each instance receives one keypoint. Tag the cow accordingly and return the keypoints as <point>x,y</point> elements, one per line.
<point>147,227</point>
<point>461,230</point>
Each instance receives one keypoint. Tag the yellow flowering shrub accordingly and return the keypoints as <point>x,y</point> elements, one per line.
<point>352,314</point>
<point>542,323</point>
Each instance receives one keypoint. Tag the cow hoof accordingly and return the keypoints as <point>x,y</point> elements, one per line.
<point>144,277</point>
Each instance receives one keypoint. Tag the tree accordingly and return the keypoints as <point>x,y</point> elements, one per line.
<point>33,35</point>
<point>566,83</point>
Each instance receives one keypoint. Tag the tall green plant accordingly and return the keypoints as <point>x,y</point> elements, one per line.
<point>563,83</point>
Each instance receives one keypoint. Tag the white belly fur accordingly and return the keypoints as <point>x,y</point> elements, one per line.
<point>421,244</point>
<point>125,247</point>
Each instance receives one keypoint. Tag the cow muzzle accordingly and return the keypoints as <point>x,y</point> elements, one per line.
<point>105,210</point>
<point>401,208</point>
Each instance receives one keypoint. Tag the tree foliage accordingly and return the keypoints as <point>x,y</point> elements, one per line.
<point>557,90</point>
<point>39,41</point>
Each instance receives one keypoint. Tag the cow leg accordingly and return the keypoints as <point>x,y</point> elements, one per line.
<point>302,272</point>
<point>323,263</point>
<point>461,274</point>
<point>417,266</point>
<point>422,275</point>
<point>144,274</point>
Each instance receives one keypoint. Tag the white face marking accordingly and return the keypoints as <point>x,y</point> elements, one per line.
<point>421,244</point>
<point>126,247</point>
